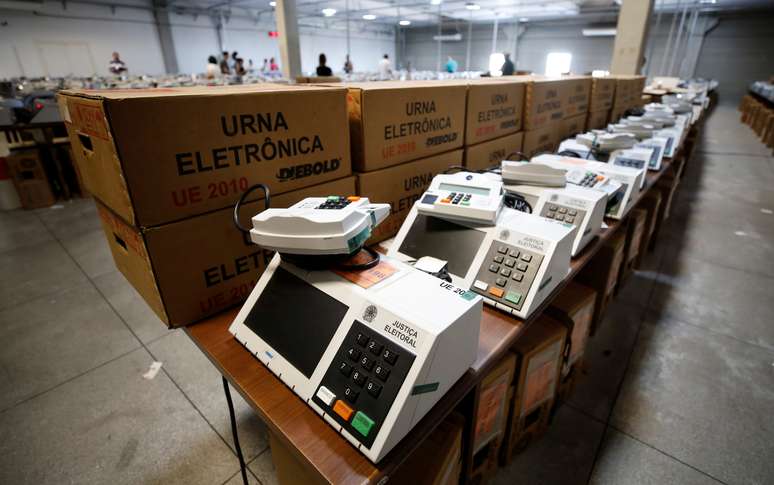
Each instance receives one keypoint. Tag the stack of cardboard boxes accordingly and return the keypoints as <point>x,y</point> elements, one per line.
<point>403,134</point>
<point>25,169</point>
<point>167,165</point>
<point>543,114</point>
<point>494,121</point>
<point>628,94</point>
<point>602,96</point>
<point>577,96</point>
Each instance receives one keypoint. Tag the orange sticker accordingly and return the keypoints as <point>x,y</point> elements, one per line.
<point>369,277</point>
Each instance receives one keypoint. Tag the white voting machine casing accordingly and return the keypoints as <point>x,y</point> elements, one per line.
<point>575,206</point>
<point>318,225</point>
<point>370,351</point>
<point>629,178</point>
<point>463,196</point>
<point>638,158</point>
<point>658,145</point>
<point>515,264</point>
<point>525,173</point>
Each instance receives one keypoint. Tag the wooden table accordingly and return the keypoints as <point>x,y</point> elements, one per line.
<point>313,442</point>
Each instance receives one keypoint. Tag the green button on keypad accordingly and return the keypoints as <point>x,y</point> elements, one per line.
<point>362,423</point>
<point>513,297</point>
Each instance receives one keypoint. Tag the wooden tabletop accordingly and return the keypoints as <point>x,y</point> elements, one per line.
<point>314,442</point>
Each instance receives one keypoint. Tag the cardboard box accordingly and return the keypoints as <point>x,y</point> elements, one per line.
<point>494,109</point>
<point>574,307</point>
<point>634,233</point>
<point>492,152</point>
<point>392,122</point>
<point>160,155</point>
<point>602,93</point>
<point>29,177</point>
<point>543,101</point>
<point>601,273</point>
<point>597,120</point>
<point>628,91</point>
<point>577,96</point>
<point>290,471</point>
<point>438,460</point>
<point>651,202</point>
<point>572,126</point>
<point>544,139</point>
<point>194,268</point>
<point>401,186</point>
<point>539,353</point>
<point>492,410</point>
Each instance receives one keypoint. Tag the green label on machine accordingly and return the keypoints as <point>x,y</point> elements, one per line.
<point>424,388</point>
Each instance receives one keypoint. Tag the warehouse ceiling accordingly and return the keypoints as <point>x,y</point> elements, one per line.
<point>427,12</point>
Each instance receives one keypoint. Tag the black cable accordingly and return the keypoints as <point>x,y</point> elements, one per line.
<point>455,168</point>
<point>517,202</point>
<point>241,201</point>
<point>237,447</point>
<point>569,153</point>
<point>522,157</point>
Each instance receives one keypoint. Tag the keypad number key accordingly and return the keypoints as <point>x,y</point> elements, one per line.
<point>351,394</point>
<point>362,339</point>
<point>345,368</point>
<point>381,372</point>
<point>353,354</point>
<point>375,347</point>
<point>367,363</point>
<point>389,356</point>
<point>358,377</point>
<point>373,388</point>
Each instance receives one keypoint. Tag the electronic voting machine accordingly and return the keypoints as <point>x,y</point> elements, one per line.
<point>463,196</point>
<point>576,206</point>
<point>514,264</point>
<point>370,351</point>
<point>589,174</point>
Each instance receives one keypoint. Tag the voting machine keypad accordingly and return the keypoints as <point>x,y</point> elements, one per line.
<point>457,198</point>
<point>507,274</point>
<point>337,202</point>
<point>359,387</point>
<point>563,213</point>
<point>585,179</point>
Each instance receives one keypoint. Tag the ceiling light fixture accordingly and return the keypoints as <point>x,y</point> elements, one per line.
<point>369,16</point>
<point>272,4</point>
<point>436,2</point>
<point>523,19</point>
<point>708,2</point>
<point>405,22</point>
<point>473,6</point>
<point>329,12</point>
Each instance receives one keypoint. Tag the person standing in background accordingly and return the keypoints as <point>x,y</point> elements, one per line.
<point>234,58</point>
<point>322,69</point>
<point>348,65</point>
<point>117,66</point>
<point>273,67</point>
<point>239,67</point>
<point>224,67</point>
<point>508,67</point>
<point>265,66</point>
<point>213,69</point>
<point>451,65</point>
<point>385,68</point>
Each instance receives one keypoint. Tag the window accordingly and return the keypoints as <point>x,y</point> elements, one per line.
<point>558,63</point>
<point>496,62</point>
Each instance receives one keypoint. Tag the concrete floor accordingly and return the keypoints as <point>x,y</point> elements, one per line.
<point>679,386</point>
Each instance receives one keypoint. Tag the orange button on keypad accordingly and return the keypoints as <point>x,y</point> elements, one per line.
<point>496,292</point>
<point>342,409</point>
<point>353,198</point>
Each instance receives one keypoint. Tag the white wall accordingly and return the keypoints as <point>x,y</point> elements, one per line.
<point>80,39</point>
<point>77,40</point>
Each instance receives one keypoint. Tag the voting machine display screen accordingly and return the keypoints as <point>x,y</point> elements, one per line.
<point>296,319</point>
<point>442,239</point>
